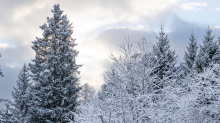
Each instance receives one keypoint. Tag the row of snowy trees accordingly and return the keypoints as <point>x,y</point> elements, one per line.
<point>145,84</point>
<point>47,89</point>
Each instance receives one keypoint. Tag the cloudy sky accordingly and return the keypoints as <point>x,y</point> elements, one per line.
<point>99,25</point>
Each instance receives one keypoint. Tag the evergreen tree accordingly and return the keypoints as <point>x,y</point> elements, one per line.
<point>16,111</point>
<point>20,95</point>
<point>164,59</point>
<point>209,52</point>
<point>55,72</point>
<point>0,70</point>
<point>190,55</point>
<point>6,116</point>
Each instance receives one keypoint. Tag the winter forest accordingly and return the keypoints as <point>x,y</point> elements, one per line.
<point>144,85</point>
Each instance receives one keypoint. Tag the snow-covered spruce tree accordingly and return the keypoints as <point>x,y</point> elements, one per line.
<point>164,59</point>
<point>1,74</point>
<point>191,53</point>
<point>20,95</point>
<point>55,73</point>
<point>187,67</point>
<point>6,116</point>
<point>209,52</point>
<point>16,111</point>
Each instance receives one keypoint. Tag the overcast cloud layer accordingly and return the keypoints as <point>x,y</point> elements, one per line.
<point>99,25</point>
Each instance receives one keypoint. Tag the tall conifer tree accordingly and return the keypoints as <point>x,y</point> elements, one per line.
<point>55,72</point>
<point>20,95</point>
<point>191,53</point>
<point>164,58</point>
<point>208,53</point>
<point>16,111</point>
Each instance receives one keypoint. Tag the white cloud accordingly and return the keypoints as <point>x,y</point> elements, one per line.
<point>11,66</point>
<point>131,27</point>
<point>22,11</point>
<point>140,27</point>
<point>102,13</point>
<point>90,18</point>
<point>192,6</point>
<point>217,27</point>
<point>217,9</point>
<point>3,46</point>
